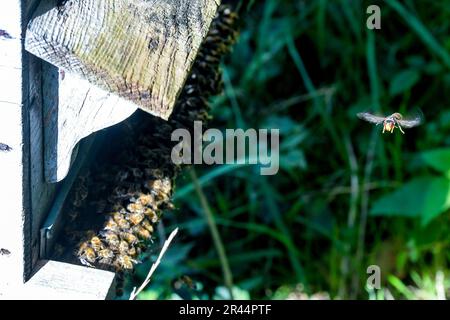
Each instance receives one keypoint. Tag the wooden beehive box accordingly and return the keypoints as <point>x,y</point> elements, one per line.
<point>68,69</point>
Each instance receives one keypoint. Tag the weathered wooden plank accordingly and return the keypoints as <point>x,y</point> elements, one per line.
<point>23,194</point>
<point>54,221</point>
<point>55,280</point>
<point>14,194</point>
<point>141,50</point>
<point>42,193</point>
<point>73,109</point>
<point>13,197</point>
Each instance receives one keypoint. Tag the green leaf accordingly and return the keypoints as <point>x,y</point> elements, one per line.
<point>438,159</point>
<point>424,198</point>
<point>437,199</point>
<point>293,159</point>
<point>403,81</point>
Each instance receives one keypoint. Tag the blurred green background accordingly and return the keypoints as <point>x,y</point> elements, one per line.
<point>346,196</point>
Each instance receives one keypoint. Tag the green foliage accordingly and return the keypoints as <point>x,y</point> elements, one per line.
<point>346,196</point>
<point>439,160</point>
<point>424,197</point>
<point>403,81</point>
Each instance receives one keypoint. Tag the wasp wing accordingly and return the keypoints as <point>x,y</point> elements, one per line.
<point>370,117</point>
<point>409,123</point>
<point>414,119</point>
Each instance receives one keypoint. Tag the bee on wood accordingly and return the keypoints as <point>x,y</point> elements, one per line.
<point>5,147</point>
<point>4,252</point>
<point>395,120</point>
<point>86,254</point>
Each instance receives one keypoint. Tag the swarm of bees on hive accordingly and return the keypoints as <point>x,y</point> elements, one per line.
<point>126,191</point>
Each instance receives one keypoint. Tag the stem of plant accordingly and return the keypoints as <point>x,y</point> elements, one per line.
<point>227,275</point>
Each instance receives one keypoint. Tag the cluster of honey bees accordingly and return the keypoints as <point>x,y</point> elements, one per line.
<point>131,210</point>
<point>126,189</point>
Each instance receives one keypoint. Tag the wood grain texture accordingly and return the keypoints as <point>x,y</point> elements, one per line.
<point>73,109</point>
<point>55,280</point>
<point>14,164</point>
<point>42,193</point>
<point>141,50</point>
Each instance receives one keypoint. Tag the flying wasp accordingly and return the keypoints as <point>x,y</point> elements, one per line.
<point>395,120</point>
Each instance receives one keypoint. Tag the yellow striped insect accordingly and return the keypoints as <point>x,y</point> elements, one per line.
<point>395,120</point>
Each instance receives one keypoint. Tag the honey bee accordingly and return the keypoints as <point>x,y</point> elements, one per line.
<point>136,207</point>
<point>4,252</point>
<point>161,188</point>
<point>111,225</point>
<point>90,233</point>
<point>147,225</point>
<point>86,255</point>
<point>187,281</point>
<point>121,221</point>
<point>393,121</point>
<point>142,232</point>
<point>170,206</point>
<point>136,217</point>
<point>123,247</point>
<point>132,252</point>
<point>80,193</point>
<point>129,237</point>
<point>4,147</point>
<point>151,215</point>
<point>118,207</point>
<point>124,261</point>
<point>105,256</point>
<point>111,238</point>
<point>96,243</point>
<point>145,199</point>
